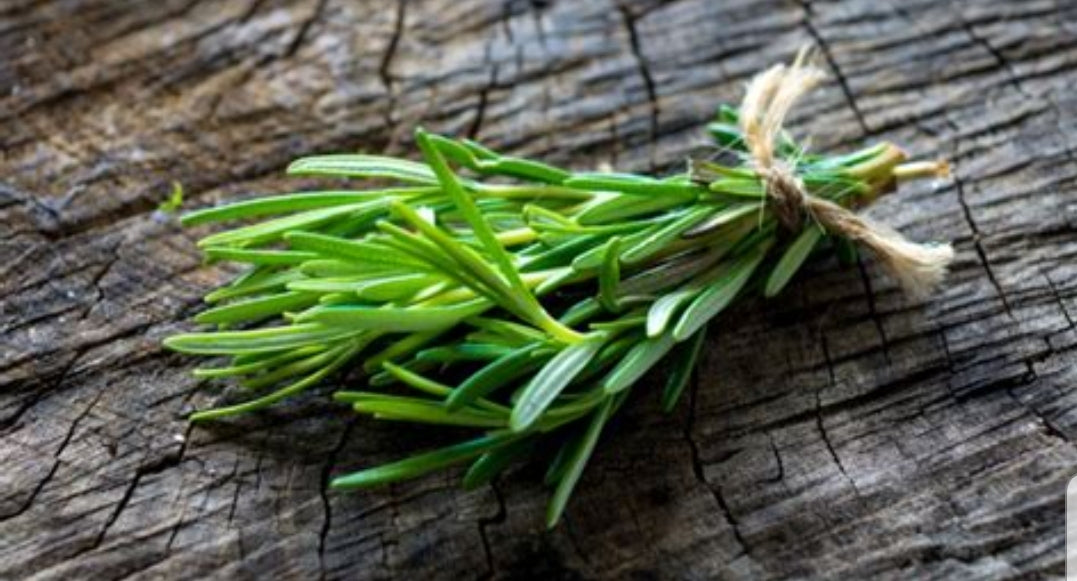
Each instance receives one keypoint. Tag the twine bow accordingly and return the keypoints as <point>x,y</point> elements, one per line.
<point>769,98</point>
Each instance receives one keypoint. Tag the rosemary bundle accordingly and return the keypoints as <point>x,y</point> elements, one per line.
<point>522,300</point>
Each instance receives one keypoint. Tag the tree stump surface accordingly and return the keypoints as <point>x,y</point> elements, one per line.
<point>840,431</point>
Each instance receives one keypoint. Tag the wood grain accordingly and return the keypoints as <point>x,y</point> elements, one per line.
<point>839,432</point>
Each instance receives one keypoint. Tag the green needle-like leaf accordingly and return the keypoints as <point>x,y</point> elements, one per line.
<point>364,166</point>
<point>662,237</point>
<point>240,367</point>
<point>492,463</point>
<point>631,184</point>
<point>258,281</point>
<point>393,319</point>
<point>576,463</point>
<point>363,252</point>
<point>257,308</point>
<point>453,280</point>
<point>466,205</point>
<point>711,301</point>
<point>423,463</point>
<point>611,209</point>
<point>637,362</point>
<point>274,229</point>
<point>397,408</point>
<point>495,375</point>
<point>791,261</point>
<point>342,354</point>
<point>610,275</point>
<point>554,377</point>
<point>681,365</point>
<point>289,203</point>
<point>256,340</point>
<point>265,257</point>
<point>666,307</point>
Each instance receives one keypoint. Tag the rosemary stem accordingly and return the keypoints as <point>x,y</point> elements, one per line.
<point>879,167</point>
<point>517,236</point>
<point>557,329</point>
<point>922,169</point>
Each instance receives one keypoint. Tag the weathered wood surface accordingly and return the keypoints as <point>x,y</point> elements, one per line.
<point>841,431</point>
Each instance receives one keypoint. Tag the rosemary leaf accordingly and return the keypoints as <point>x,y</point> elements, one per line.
<point>552,379</point>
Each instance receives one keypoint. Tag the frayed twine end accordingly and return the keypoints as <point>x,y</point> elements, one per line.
<point>919,268</point>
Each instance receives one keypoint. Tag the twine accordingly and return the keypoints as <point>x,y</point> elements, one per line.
<point>919,268</point>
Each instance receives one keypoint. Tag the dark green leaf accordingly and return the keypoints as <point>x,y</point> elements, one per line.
<point>422,463</point>
<point>682,364</point>
<point>495,375</point>
<point>492,463</point>
<point>580,455</point>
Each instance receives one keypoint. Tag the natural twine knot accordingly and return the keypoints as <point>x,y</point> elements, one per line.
<point>771,94</point>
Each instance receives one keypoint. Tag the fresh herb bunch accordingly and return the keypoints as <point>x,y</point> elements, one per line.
<point>515,298</point>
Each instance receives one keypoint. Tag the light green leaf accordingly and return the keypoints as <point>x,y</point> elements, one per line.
<point>267,361</point>
<point>631,184</point>
<point>258,281</point>
<point>742,187</point>
<point>554,377</point>
<point>291,203</point>
<point>388,407</point>
<point>257,308</point>
<point>274,229</point>
<point>660,238</point>
<point>343,354</point>
<point>637,362</point>
<point>396,288</point>
<point>263,257</point>
<point>364,166</point>
<point>466,205</point>
<point>663,309</point>
<point>718,296</point>
<point>367,252</point>
<point>393,319</point>
<point>609,275</point>
<point>793,258</point>
<point>617,208</point>
<point>256,340</point>
<point>722,218</point>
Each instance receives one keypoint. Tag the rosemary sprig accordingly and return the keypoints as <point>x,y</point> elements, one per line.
<point>518,299</point>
